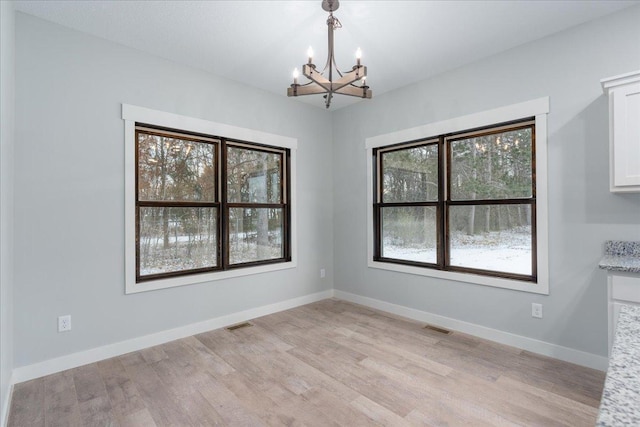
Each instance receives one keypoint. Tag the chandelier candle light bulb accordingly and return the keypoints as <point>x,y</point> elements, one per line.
<point>310,54</point>
<point>331,80</point>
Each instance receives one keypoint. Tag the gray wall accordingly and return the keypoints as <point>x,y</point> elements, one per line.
<point>567,67</point>
<point>69,190</point>
<point>7,63</point>
<point>69,186</point>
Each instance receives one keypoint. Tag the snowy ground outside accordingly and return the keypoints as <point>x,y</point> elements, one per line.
<point>507,251</point>
<point>200,251</point>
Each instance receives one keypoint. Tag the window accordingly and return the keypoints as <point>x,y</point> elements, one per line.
<point>202,207</point>
<point>181,212</point>
<point>463,204</point>
<point>490,202</point>
<point>481,223</point>
<point>177,204</point>
<point>255,205</point>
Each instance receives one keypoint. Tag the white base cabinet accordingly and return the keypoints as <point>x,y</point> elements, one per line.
<point>623,289</point>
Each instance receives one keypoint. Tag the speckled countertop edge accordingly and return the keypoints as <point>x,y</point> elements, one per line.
<point>620,404</point>
<point>621,256</point>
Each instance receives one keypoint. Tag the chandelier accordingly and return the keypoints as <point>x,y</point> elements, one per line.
<point>331,80</point>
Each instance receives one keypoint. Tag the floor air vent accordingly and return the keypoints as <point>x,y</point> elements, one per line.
<point>239,326</point>
<point>437,329</point>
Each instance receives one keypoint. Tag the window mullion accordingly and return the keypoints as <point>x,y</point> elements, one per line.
<point>256,205</point>
<point>176,204</point>
<point>443,193</point>
<point>377,241</point>
<point>286,198</point>
<point>224,209</point>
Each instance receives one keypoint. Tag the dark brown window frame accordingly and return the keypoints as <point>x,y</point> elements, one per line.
<point>220,204</point>
<point>285,167</point>
<point>444,201</point>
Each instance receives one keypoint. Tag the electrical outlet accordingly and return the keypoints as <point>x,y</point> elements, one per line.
<point>64,323</point>
<point>536,310</point>
<point>322,273</point>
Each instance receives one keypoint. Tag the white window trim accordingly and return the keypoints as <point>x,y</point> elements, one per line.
<point>538,108</point>
<point>132,114</point>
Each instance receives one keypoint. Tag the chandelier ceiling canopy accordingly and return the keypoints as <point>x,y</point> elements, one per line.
<point>331,80</point>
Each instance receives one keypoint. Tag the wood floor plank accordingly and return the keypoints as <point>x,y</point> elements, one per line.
<point>141,418</point>
<point>565,379</point>
<point>153,354</point>
<point>129,359</point>
<point>158,400</point>
<point>338,410</point>
<point>441,405</point>
<point>298,377</point>
<point>60,401</point>
<point>191,350</point>
<point>231,349</point>
<point>27,404</point>
<point>560,408</point>
<point>385,391</point>
<point>184,381</point>
<point>494,397</point>
<point>330,363</point>
<point>306,412</point>
<point>88,383</point>
<point>97,412</point>
<point>123,394</point>
<point>377,413</point>
<point>393,354</point>
<point>231,409</point>
<point>267,405</point>
<point>462,357</point>
<point>58,382</point>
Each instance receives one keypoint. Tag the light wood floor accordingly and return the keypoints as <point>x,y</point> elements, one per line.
<point>328,363</point>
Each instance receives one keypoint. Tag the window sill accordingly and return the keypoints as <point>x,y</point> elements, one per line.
<point>153,285</point>
<point>496,282</point>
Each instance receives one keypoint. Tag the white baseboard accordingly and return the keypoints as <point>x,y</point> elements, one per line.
<point>36,370</point>
<point>51,366</point>
<point>535,346</point>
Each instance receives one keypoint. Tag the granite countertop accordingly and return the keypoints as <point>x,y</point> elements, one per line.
<point>620,404</point>
<point>621,256</point>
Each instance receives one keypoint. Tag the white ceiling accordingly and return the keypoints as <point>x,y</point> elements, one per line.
<point>260,42</point>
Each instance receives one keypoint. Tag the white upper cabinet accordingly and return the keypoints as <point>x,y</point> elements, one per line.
<point>624,131</point>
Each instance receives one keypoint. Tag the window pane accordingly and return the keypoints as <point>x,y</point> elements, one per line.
<point>410,175</point>
<point>409,233</point>
<point>175,169</point>
<point>496,166</point>
<point>253,176</point>
<point>255,234</point>
<point>491,237</point>
<point>175,239</point>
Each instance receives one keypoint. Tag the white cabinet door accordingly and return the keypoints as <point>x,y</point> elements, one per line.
<point>626,135</point>
<point>624,131</point>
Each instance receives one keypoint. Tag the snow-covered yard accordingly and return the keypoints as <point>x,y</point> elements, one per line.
<point>507,251</point>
